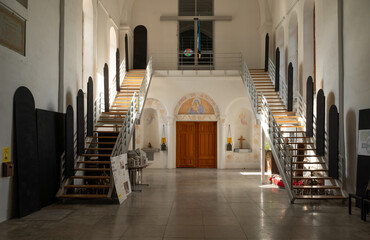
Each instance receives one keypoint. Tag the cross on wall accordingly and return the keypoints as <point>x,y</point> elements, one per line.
<point>241,139</point>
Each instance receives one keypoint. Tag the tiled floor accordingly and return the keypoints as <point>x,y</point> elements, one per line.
<point>193,204</point>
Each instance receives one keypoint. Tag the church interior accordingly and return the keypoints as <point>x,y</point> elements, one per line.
<point>184,119</point>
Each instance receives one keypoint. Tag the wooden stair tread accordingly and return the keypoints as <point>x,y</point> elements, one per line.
<point>317,187</point>
<point>87,186</point>
<point>306,156</point>
<point>99,131</point>
<point>99,149</point>
<point>111,143</point>
<point>308,163</point>
<point>82,196</point>
<point>302,149</point>
<point>92,169</point>
<point>280,126</point>
<point>311,170</point>
<point>315,177</point>
<point>318,197</point>
<point>90,177</point>
<point>95,155</point>
<point>104,137</point>
<point>93,162</point>
<point>296,137</point>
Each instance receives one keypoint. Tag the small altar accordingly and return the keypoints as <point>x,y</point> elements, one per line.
<point>150,152</point>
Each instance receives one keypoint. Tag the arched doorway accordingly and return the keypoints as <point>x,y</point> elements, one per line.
<point>140,47</point>
<point>196,131</point>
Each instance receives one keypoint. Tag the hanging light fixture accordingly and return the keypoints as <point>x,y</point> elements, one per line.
<point>163,140</point>
<point>229,146</point>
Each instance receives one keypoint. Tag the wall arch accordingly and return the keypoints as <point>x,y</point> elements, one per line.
<point>203,99</point>
<point>293,49</point>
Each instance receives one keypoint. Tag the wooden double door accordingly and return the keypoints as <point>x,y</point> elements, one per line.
<point>196,144</point>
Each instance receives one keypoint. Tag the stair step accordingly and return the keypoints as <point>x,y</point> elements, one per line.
<point>296,137</point>
<point>100,149</point>
<point>106,131</point>
<point>310,170</point>
<point>113,126</point>
<point>286,121</point>
<point>288,117</point>
<point>93,162</point>
<point>110,143</point>
<point>92,169</point>
<point>320,197</point>
<point>112,122</point>
<point>104,137</point>
<point>302,149</point>
<point>95,155</point>
<point>291,126</point>
<point>82,196</point>
<point>316,178</point>
<point>90,177</point>
<point>306,156</point>
<point>316,187</point>
<point>87,186</point>
<point>308,163</point>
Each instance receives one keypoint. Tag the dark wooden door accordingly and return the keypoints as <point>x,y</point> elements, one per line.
<point>140,47</point>
<point>196,144</point>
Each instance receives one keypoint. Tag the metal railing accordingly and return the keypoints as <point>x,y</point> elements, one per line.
<point>144,87</point>
<point>251,89</point>
<point>283,87</point>
<point>206,61</point>
<point>279,147</point>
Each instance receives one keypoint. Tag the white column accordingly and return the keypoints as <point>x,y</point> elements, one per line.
<point>222,142</point>
<point>262,149</point>
<point>171,144</point>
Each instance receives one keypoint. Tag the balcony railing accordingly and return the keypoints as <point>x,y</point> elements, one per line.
<point>208,60</point>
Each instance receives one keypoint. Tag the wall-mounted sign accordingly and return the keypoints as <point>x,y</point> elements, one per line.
<point>6,156</point>
<point>364,142</point>
<point>188,52</point>
<point>12,30</point>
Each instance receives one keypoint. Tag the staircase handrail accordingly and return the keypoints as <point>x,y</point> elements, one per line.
<point>283,87</point>
<point>144,87</point>
<point>251,89</point>
<point>279,147</point>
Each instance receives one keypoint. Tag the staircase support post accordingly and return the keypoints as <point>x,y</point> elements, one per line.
<point>118,77</point>
<point>80,123</point>
<point>290,87</point>
<point>90,108</point>
<point>277,70</point>
<point>106,87</point>
<point>267,39</point>
<point>309,107</point>
<point>320,123</point>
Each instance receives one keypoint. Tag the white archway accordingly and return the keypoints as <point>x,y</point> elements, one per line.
<point>88,42</point>
<point>308,42</point>
<point>293,49</point>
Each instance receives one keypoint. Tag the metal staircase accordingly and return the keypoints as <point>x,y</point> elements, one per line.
<point>304,173</point>
<point>112,135</point>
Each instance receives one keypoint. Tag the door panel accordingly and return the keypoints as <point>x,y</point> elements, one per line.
<point>207,153</point>
<point>196,144</point>
<point>186,143</point>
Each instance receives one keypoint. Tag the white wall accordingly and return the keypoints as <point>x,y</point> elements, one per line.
<point>239,35</point>
<point>38,71</point>
<point>227,92</point>
<point>356,41</point>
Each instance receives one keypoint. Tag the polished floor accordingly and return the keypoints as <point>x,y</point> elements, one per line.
<point>193,204</point>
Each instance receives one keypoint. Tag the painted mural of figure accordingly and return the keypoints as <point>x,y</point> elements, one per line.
<point>196,107</point>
